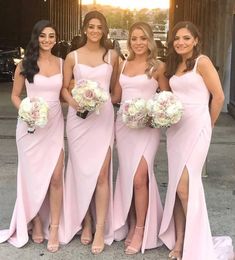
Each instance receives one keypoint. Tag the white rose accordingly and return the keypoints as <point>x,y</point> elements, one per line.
<point>26,105</point>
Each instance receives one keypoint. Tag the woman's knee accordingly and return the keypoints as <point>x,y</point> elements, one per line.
<point>103,178</point>
<point>182,192</point>
<point>56,180</point>
<point>140,181</point>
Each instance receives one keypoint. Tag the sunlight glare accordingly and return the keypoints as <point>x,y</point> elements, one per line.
<point>132,4</point>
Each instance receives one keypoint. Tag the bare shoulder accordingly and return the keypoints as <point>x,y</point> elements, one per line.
<point>19,66</point>
<point>70,55</point>
<point>121,64</point>
<point>70,58</point>
<point>18,71</point>
<point>204,64</point>
<point>204,61</point>
<point>57,59</point>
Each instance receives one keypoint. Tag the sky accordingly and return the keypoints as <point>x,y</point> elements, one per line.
<point>132,4</point>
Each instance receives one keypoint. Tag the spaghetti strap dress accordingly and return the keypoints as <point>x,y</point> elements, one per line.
<point>188,142</point>
<point>89,140</point>
<point>132,146</point>
<point>38,155</point>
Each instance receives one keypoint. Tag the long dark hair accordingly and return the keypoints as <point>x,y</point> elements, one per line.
<point>104,40</point>
<point>173,59</point>
<point>29,63</point>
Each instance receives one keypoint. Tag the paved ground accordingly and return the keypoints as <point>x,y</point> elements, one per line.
<point>219,188</point>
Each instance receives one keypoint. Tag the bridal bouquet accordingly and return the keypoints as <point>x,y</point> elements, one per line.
<point>134,113</point>
<point>164,110</point>
<point>33,111</point>
<point>89,95</point>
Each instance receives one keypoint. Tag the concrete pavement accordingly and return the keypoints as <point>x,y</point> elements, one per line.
<point>219,188</point>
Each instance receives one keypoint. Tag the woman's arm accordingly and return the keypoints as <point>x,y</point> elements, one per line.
<point>211,78</point>
<point>160,77</point>
<point>115,64</point>
<point>67,77</point>
<point>116,91</point>
<point>18,85</point>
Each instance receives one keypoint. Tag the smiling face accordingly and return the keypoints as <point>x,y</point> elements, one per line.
<point>47,39</point>
<point>139,42</point>
<point>184,42</point>
<point>94,30</point>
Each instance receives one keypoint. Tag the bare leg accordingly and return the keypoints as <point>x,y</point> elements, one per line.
<point>37,233</point>
<point>141,206</point>
<point>86,236</point>
<point>101,202</point>
<point>56,195</point>
<point>132,223</point>
<point>180,211</point>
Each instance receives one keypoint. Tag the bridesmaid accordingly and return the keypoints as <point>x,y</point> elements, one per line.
<point>194,80</point>
<point>40,155</point>
<point>136,192</point>
<point>90,141</point>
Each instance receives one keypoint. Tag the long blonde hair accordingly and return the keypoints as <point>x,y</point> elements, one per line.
<point>152,61</point>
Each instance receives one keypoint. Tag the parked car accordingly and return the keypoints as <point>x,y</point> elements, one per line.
<point>9,58</point>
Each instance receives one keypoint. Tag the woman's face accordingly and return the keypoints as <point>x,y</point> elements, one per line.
<point>94,30</point>
<point>139,42</point>
<point>184,42</point>
<point>47,39</point>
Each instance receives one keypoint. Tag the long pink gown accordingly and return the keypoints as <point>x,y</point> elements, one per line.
<point>88,143</point>
<point>132,145</point>
<point>187,146</point>
<point>38,154</point>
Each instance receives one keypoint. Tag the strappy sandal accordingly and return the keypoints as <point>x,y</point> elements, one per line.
<point>175,255</point>
<point>131,250</point>
<point>128,239</point>
<point>38,239</point>
<point>86,239</point>
<point>53,247</point>
<point>97,249</point>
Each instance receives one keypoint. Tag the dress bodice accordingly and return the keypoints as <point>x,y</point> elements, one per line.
<point>45,87</point>
<point>190,87</point>
<point>101,73</point>
<point>139,86</point>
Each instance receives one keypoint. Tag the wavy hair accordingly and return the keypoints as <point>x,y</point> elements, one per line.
<point>29,63</point>
<point>173,59</point>
<point>104,40</point>
<point>152,61</point>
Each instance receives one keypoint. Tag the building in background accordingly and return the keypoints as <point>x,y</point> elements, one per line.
<point>215,19</point>
<point>18,17</point>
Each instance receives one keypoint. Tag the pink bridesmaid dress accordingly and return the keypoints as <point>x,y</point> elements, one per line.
<point>89,140</point>
<point>132,145</point>
<point>38,154</point>
<point>187,146</point>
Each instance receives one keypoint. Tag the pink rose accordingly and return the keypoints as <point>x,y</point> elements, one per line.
<point>89,94</point>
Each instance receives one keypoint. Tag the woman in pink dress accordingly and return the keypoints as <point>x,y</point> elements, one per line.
<point>41,154</point>
<point>137,204</point>
<point>194,80</point>
<point>89,171</point>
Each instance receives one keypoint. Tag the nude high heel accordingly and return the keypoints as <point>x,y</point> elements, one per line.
<point>97,249</point>
<point>175,254</point>
<point>136,241</point>
<point>38,239</point>
<point>53,247</point>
